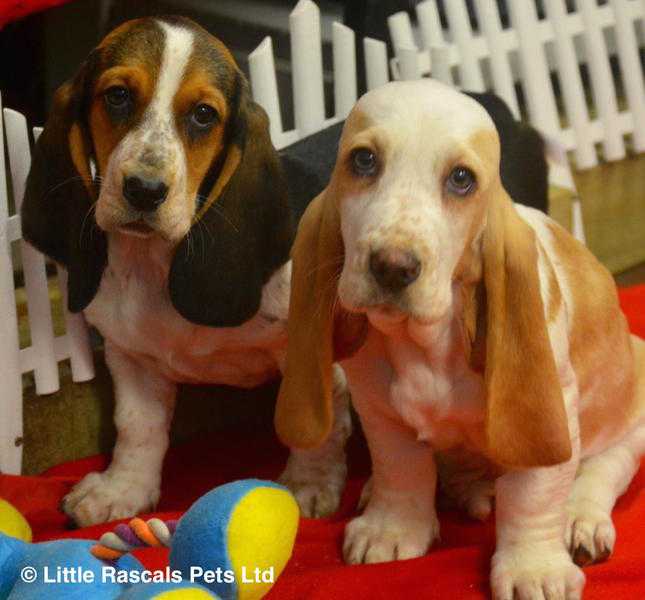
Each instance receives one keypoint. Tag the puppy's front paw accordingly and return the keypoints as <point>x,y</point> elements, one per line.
<point>590,534</point>
<point>101,497</point>
<point>380,536</point>
<point>534,571</point>
<point>317,490</point>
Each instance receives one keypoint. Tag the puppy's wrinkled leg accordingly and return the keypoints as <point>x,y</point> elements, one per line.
<point>531,561</point>
<point>317,476</point>
<point>400,520</point>
<point>601,480</point>
<point>142,415</point>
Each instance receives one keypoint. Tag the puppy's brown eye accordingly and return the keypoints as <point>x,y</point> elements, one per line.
<point>204,116</point>
<point>117,96</point>
<point>461,181</point>
<point>364,162</point>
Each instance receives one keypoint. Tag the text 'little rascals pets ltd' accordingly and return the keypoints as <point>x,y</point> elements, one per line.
<point>111,574</point>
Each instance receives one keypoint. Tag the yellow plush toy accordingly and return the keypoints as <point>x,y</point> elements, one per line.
<point>13,523</point>
<point>232,544</point>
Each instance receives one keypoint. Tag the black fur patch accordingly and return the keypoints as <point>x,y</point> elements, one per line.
<point>57,212</point>
<point>308,165</point>
<point>219,270</point>
<point>523,166</point>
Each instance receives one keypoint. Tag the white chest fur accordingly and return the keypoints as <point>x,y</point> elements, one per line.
<point>425,380</point>
<point>434,389</point>
<point>133,310</point>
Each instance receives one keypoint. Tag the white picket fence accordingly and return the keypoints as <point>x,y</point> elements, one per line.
<point>496,58</point>
<point>307,74</point>
<point>462,49</point>
<point>486,59</point>
<point>46,349</point>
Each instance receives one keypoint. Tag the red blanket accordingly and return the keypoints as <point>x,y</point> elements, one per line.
<point>457,567</point>
<point>16,9</point>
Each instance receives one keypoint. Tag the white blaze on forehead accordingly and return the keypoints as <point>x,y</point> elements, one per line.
<point>177,50</point>
<point>153,149</point>
<point>425,102</point>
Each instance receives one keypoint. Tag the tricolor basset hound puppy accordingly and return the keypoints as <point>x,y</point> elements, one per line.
<point>156,184</point>
<point>475,334</point>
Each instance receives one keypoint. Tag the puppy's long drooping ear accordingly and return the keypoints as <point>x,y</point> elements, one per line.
<point>243,230</point>
<point>57,211</point>
<point>319,330</point>
<point>526,422</point>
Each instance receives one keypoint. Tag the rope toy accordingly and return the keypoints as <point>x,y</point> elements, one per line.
<point>136,534</point>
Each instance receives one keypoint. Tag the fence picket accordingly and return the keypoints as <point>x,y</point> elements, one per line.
<point>500,65</point>
<point>470,71</point>
<point>307,71</point>
<point>440,59</point>
<point>535,73</point>
<point>264,85</point>
<point>33,263</point>
<point>408,63</point>
<point>571,85</point>
<point>430,24</point>
<point>602,82</point>
<point>345,90</point>
<point>629,60</point>
<point>376,72</point>
<point>401,31</point>
<point>10,372</point>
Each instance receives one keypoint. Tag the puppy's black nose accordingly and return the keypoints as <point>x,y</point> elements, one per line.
<point>144,194</point>
<point>394,269</point>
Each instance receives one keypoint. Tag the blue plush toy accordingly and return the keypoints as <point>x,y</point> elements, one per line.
<point>232,544</point>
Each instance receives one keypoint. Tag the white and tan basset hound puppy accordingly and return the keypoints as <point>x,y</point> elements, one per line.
<point>156,184</point>
<point>474,333</point>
